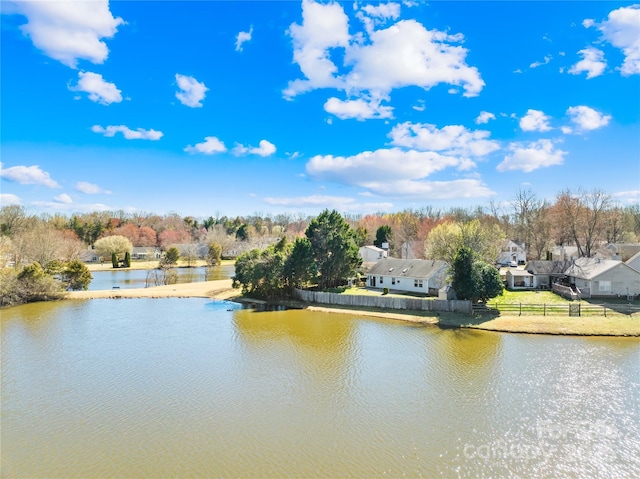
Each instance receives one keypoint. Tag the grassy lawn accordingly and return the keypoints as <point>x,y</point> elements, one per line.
<point>530,297</point>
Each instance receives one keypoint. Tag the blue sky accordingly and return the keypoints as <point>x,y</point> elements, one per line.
<point>235,108</point>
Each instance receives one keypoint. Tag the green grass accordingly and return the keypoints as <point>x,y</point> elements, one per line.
<point>529,297</point>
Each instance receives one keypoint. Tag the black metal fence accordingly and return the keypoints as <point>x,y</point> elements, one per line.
<point>573,309</point>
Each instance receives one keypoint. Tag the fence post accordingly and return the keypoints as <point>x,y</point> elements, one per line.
<point>544,309</point>
<point>520,314</point>
<point>605,310</point>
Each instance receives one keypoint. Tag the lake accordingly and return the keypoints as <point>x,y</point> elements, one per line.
<point>137,278</point>
<point>150,388</point>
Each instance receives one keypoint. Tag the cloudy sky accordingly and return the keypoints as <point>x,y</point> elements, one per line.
<point>207,108</point>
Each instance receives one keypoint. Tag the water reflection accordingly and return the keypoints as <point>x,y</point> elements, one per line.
<point>141,278</point>
<point>151,388</point>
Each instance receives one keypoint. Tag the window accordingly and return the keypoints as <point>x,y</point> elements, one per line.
<point>393,281</point>
<point>381,280</point>
<point>417,283</point>
<point>605,286</point>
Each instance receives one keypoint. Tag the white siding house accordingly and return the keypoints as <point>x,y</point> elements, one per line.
<point>408,275</point>
<point>596,277</point>
<point>372,254</point>
<point>512,251</point>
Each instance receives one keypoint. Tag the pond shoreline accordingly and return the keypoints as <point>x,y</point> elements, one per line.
<point>553,325</point>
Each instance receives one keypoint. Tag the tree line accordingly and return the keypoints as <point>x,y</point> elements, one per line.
<point>587,220</point>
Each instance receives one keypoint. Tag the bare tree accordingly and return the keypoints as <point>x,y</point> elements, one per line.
<point>583,215</point>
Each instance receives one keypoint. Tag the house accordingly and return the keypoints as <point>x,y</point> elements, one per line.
<point>634,261</point>
<point>622,251</point>
<point>545,273</point>
<point>596,277</point>
<point>564,253</point>
<point>517,278</point>
<point>89,256</point>
<point>372,254</point>
<point>145,253</point>
<point>409,275</point>
<point>512,251</point>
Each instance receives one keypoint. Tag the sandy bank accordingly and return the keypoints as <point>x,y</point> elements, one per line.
<point>220,289</point>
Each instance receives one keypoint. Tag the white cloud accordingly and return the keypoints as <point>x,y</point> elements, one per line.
<point>209,146</point>
<point>592,62</point>
<point>323,27</point>
<point>546,60</point>
<point>379,166</point>
<point>484,117</point>
<point>69,31</point>
<point>28,175</point>
<point>531,156</point>
<point>628,197</point>
<point>586,118</point>
<point>588,22</point>
<point>370,66</point>
<point>63,198</point>
<point>429,57</point>
<point>382,10</point>
<point>622,30</point>
<point>432,190</point>
<point>57,205</point>
<point>452,139</point>
<point>339,203</point>
<point>265,148</point>
<point>242,38</point>
<point>7,199</point>
<point>535,120</point>
<point>99,90</point>
<point>360,109</point>
<point>192,92</point>
<point>138,134</point>
<point>373,15</point>
<point>90,188</point>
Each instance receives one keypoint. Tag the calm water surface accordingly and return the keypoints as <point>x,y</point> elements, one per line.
<point>137,278</point>
<point>193,388</point>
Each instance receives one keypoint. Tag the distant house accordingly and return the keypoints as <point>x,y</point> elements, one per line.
<point>622,251</point>
<point>512,251</point>
<point>89,256</point>
<point>596,277</point>
<point>372,254</point>
<point>564,253</point>
<point>545,273</point>
<point>145,253</point>
<point>409,275</point>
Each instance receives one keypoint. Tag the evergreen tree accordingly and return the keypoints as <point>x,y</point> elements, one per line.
<point>383,235</point>
<point>300,267</point>
<point>334,248</point>
<point>474,279</point>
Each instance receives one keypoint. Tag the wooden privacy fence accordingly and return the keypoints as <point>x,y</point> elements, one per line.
<point>574,309</point>
<point>386,302</point>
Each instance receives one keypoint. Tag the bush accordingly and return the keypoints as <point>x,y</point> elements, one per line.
<point>385,290</point>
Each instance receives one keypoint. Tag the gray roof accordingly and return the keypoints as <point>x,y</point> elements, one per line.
<point>411,268</point>
<point>589,268</point>
<point>518,273</point>
<point>539,266</point>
